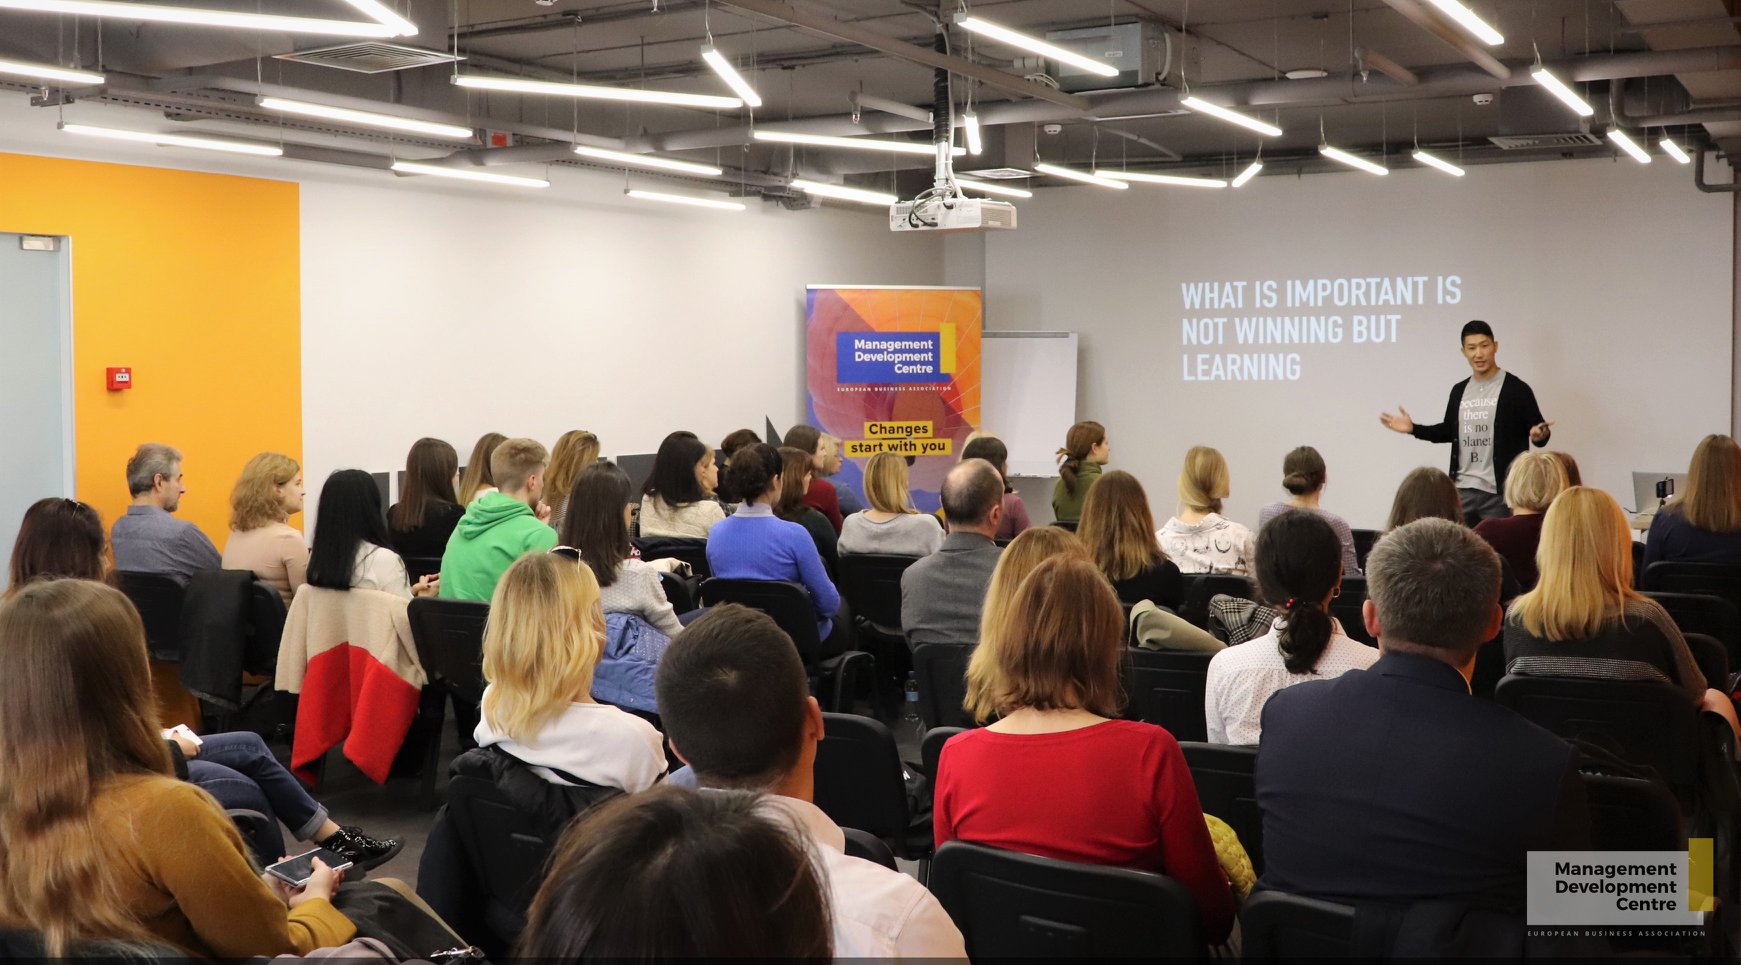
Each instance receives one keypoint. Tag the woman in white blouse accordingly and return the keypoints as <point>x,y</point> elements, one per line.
<point>597,527</point>
<point>678,497</point>
<point>1299,571</point>
<point>891,526</point>
<point>349,550</point>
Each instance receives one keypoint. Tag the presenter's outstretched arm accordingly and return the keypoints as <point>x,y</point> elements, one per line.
<point>1398,423</point>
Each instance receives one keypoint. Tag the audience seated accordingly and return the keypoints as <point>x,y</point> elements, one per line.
<point>58,538</point>
<point>1584,619</point>
<point>150,540</point>
<point>1119,531</point>
<point>479,473</point>
<point>575,450</point>
<point>679,874</point>
<point>422,521</point>
<point>1015,512</point>
<point>755,544</point>
<point>1703,524</point>
<point>678,499</point>
<point>349,550</point>
<point>1531,484</point>
<point>1393,785</point>
<point>942,594</point>
<point>734,440</point>
<point>1425,493</point>
<point>1570,465</point>
<point>830,456</point>
<point>1085,451</point>
<point>891,526</point>
<point>500,525</point>
<point>1025,553</point>
<point>796,471</point>
<point>261,537</point>
<point>597,526</point>
<point>1304,476</point>
<point>819,494</point>
<point>1117,792</point>
<point>1200,539</point>
<point>542,646</point>
<point>1299,571</point>
<point>737,709</point>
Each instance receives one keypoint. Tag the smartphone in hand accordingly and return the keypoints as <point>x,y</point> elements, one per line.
<point>298,869</point>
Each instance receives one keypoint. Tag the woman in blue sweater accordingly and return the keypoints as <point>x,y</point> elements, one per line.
<point>754,544</point>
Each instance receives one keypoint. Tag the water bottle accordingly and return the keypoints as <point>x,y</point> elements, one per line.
<point>912,727</point>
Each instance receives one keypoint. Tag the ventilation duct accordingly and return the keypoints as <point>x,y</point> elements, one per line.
<point>1142,52</point>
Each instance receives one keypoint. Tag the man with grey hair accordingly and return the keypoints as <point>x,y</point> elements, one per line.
<point>150,540</point>
<point>942,595</point>
<point>1394,786</point>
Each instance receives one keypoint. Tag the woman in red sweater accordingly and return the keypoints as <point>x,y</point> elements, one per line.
<point>1058,775</point>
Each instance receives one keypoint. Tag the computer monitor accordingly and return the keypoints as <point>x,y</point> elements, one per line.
<point>1644,498</point>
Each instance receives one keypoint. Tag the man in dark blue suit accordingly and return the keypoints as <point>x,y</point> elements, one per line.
<point>1394,786</point>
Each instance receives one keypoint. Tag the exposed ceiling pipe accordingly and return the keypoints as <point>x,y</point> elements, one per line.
<point>874,103</point>
<point>1699,177</point>
<point>1165,151</point>
<point>1387,67</point>
<point>1453,38</point>
<point>1709,115</point>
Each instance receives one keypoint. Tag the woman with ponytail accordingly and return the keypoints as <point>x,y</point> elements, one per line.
<point>1085,451</point>
<point>1299,571</point>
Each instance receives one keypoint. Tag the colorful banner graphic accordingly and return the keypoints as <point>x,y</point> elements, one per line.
<point>896,370</point>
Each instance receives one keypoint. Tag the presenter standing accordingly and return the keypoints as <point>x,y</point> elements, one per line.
<point>1490,419</point>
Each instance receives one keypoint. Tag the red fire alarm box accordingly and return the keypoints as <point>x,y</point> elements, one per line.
<point>119,378</point>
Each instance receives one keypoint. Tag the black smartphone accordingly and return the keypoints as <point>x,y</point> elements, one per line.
<point>297,870</point>
<point>1665,488</point>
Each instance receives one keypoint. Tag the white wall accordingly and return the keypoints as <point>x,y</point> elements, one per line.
<point>1607,284</point>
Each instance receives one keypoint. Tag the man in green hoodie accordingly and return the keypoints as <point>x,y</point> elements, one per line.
<point>499,527</point>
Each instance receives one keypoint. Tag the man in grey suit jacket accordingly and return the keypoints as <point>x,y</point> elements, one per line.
<point>942,595</point>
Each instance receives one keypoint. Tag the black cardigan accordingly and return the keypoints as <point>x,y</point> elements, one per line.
<point>1513,417</point>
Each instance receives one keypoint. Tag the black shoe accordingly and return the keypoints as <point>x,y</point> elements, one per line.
<point>361,850</point>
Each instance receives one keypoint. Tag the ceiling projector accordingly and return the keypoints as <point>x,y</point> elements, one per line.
<point>951,214</point>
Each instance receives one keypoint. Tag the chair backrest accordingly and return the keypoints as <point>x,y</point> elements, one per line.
<point>940,670</point>
<point>860,781</point>
<point>266,614</point>
<point>1199,587</point>
<point>871,583</point>
<point>505,846</point>
<point>1647,722</point>
<point>1705,613</point>
<point>686,548</point>
<point>1008,904</point>
<point>418,567</point>
<point>158,599</point>
<point>931,748</point>
<point>1363,541</point>
<point>1632,814</point>
<point>449,635</point>
<point>863,844</point>
<point>1346,608</point>
<point>1277,925</point>
<point>677,592</point>
<point>1068,525</point>
<point>1674,576</point>
<point>1225,786</point>
<point>1166,687</point>
<point>788,603</point>
<point>1712,658</point>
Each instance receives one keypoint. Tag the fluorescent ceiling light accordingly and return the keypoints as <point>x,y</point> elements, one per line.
<point>366,118</point>
<point>970,123</point>
<point>177,140</point>
<point>1440,163</point>
<point>1559,89</point>
<point>993,189</point>
<point>1174,179</point>
<point>1075,175</point>
<point>730,75</point>
<point>552,89</point>
<point>1337,154</point>
<point>855,143</point>
<point>986,28</point>
<point>843,193</point>
<point>648,161</point>
<point>1467,19</point>
<point>1247,174</point>
<point>1232,117</point>
<point>123,11</point>
<point>464,174</point>
<point>47,72</point>
<point>381,13</point>
<point>690,200</point>
<point>1628,145</point>
<point>1674,150</point>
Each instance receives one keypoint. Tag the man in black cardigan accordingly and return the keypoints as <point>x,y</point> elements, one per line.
<point>1491,418</point>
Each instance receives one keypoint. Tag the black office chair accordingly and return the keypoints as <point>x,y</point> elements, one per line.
<point>688,549</point>
<point>678,591</point>
<point>158,599</point>
<point>863,844</point>
<point>1067,525</point>
<point>1346,608</point>
<point>1199,587</point>
<point>266,616</point>
<point>931,749</point>
<point>1363,542</point>
<point>449,636</point>
<point>418,567</point>
<point>1673,576</point>
<point>862,783</point>
<point>1277,925</point>
<point>1632,814</point>
<point>1010,905</point>
<point>833,678</point>
<point>259,833</point>
<point>1166,687</point>
<point>1704,613</point>
<point>1225,786</point>
<point>940,670</point>
<point>1712,658</point>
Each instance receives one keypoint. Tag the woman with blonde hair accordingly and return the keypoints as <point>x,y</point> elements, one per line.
<point>575,450</point>
<point>1584,618</point>
<point>1531,484</point>
<point>1200,539</point>
<point>477,479</point>
<point>268,493</point>
<point>542,644</point>
<point>1119,531</point>
<point>1118,792</point>
<point>1703,525</point>
<point>1086,450</point>
<point>891,525</point>
<point>1025,552</point>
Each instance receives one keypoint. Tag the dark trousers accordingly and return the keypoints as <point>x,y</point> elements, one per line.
<point>240,772</point>
<point>1479,505</point>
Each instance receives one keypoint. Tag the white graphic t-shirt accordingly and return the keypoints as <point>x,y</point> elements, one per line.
<point>1475,434</point>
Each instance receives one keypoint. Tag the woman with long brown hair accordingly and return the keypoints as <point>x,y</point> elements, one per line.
<point>1703,525</point>
<point>421,522</point>
<point>1119,531</point>
<point>574,451</point>
<point>1021,557</point>
<point>1086,449</point>
<point>1425,493</point>
<point>797,472</point>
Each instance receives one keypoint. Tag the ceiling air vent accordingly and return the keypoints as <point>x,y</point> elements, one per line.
<point>1545,142</point>
<point>371,57</point>
<point>999,174</point>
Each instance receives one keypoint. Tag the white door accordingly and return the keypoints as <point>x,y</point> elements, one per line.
<point>36,428</point>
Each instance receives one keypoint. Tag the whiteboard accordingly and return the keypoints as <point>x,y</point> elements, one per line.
<point>1028,395</point>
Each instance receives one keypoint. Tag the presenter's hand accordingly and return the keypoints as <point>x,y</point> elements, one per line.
<point>1539,434</point>
<point>1398,423</point>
